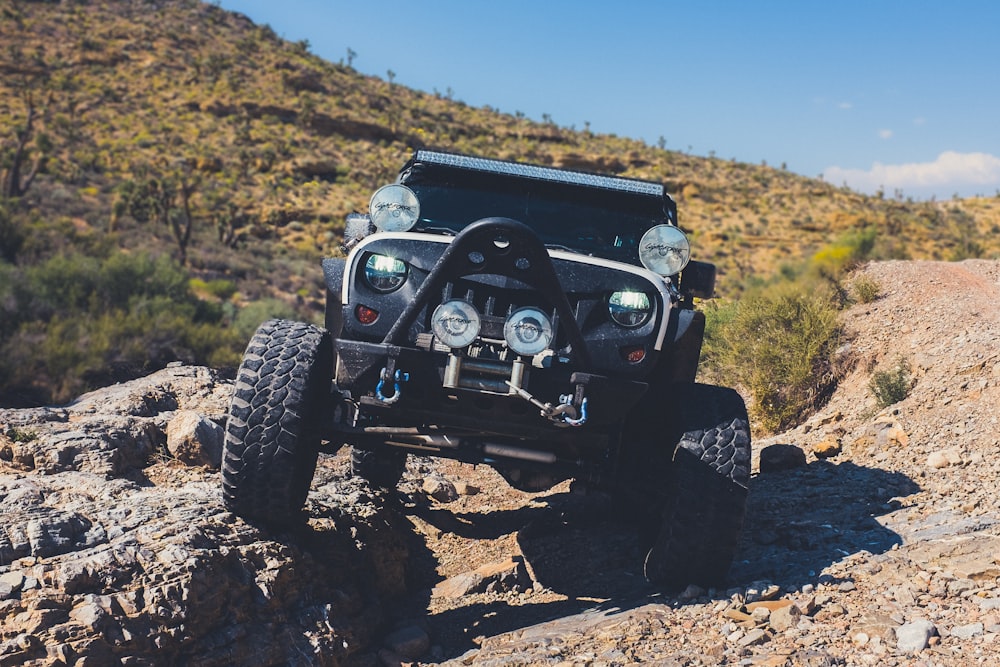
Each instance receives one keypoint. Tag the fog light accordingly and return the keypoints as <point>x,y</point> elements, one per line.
<point>664,249</point>
<point>365,314</point>
<point>528,331</point>
<point>394,208</point>
<point>455,323</point>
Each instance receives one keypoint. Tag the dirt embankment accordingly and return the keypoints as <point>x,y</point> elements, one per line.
<point>885,553</point>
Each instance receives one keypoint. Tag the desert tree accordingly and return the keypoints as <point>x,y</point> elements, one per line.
<point>163,197</point>
<point>25,149</point>
<point>25,154</point>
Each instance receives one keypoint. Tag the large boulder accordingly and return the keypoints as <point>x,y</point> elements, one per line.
<point>113,551</point>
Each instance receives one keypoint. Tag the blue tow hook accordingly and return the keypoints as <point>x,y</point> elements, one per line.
<point>583,416</point>
<point>399,377</point>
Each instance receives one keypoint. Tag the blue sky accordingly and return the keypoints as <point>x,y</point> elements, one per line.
<point>903,95</point>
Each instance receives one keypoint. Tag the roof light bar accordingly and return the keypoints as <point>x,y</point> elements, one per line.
<point>546,173</point>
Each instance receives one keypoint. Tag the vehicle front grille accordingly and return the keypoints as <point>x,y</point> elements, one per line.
<point>495,304</point>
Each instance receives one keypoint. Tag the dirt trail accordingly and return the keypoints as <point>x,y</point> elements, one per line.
<point>899,530</point>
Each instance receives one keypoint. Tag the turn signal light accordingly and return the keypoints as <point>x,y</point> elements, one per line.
<point>633,353</point>
<point>365,314</point>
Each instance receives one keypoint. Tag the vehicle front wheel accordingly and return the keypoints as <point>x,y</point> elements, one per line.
<point>701,521</point>
<point>272,433</point>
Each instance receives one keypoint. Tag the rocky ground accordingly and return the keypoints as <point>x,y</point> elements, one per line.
<point>872,537</point>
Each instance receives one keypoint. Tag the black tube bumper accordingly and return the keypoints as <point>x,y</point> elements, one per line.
<point>405,386</point>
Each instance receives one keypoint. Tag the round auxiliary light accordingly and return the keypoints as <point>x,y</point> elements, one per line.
<point>455,323</point>
<point>528,331</point>
<point>629,309</point>
<point>394,208</point>
<point>385,274</point>
<point>665,250</point>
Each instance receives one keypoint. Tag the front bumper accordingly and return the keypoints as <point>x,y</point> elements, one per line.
<point>391,385</point>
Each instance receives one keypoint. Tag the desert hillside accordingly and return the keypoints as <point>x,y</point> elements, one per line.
<point>872,535</point>
<point>172,173</point>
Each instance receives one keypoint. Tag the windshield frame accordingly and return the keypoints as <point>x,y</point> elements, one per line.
<point>588,220</point>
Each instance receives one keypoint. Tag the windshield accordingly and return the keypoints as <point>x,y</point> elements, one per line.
<point>574,219</point>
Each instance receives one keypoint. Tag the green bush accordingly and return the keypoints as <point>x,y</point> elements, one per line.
<point>75,322</point>
<point>777,342</point>
<point>11,235</point>
<point>836,259</point>
<point>221,288</point>
<point>253,314</point>
<point>777,345</point>
<point>8,305</point>
<point>21,435</point>
<point>891,386</point>
<point>866,289</point>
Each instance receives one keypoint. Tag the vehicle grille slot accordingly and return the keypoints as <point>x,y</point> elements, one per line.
<point>484,384</point>
<point>486,367</point>
<point>484,375</point>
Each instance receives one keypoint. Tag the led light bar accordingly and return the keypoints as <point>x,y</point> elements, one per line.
<point>544,173</point>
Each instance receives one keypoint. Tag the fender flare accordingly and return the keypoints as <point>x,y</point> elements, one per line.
<point>333,276</point>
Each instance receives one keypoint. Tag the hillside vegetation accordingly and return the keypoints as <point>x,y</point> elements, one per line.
<point>172,173</point>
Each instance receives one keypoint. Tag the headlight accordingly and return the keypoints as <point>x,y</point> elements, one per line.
<point>384,273</point>
<point>394,208</point>
<point>455,323</point>
<point>664,249</point>
<point>528,331</point>
<point>629,309</point>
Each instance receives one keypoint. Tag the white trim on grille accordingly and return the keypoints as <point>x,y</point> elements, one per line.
<point>654,279</point>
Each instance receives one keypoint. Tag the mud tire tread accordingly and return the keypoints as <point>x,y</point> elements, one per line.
<point>272,433</point>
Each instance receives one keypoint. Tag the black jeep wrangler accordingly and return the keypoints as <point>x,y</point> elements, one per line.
<point>536,320</point>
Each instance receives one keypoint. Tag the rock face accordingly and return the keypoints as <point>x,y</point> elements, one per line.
<point>113,550</point>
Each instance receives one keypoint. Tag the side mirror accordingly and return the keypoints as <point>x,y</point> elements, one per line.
<point>698,280</point>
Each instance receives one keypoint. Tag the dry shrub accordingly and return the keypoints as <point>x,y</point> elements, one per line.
<point>866,289</point>
<point>778,346</point>
<point>892,385</point>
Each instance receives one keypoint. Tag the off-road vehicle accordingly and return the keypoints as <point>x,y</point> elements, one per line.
<point>537,320</point>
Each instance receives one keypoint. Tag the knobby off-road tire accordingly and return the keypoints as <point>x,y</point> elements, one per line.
<point>272,436</point>
<point>382,469</point>
<point>702,513</point>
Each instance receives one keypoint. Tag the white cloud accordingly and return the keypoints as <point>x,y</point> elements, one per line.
<point>885,134</point>
<point>964,173</point>
<point>919,120</point>
<point>845,105</point>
